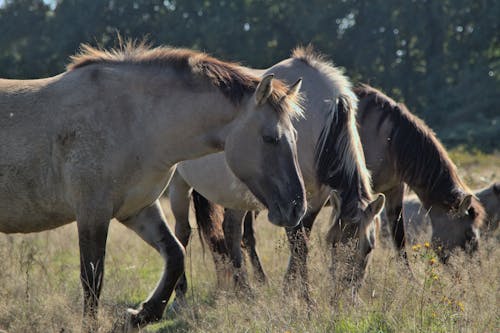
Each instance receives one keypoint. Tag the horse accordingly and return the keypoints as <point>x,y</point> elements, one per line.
<point>401,150</point>
<point>102,139</point>
<point>330,157</point>
<point>417,218</point>
<point>490,198</point>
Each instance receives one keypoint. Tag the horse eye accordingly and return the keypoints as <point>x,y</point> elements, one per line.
<point>472,213</point>
<point>271,139</point>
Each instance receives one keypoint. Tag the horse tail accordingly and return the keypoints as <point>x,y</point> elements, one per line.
<point>209,218</point>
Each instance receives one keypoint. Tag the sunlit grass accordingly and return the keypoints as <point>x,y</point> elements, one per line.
<point>40,286</point>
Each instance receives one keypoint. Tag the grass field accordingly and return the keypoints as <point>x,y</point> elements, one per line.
<point>40,288</point>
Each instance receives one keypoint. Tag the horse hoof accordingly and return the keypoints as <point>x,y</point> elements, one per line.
<point>146,314</point>
<point>130,325</point>
<point>178,306</point>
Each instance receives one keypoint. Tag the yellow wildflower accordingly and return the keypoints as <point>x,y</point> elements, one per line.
<point>427,245</point>
<point>432,261</point>
<point>460,306</point>
<point>416,247</point>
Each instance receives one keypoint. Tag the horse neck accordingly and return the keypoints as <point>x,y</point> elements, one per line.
<point>183,123</point>
<point>437,181</point>
<point>344,167</point>
<point>439,194</point>
<point>201,129</point>
<point>415,156</point>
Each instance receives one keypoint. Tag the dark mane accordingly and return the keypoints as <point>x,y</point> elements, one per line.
<point>339,155</point>
<point>420,159</point>
<point>340,160</point>
<point>231,79</point>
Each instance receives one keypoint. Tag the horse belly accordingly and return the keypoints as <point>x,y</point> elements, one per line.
<point>20,216</point>
<point>27,206</point>
<point>144,190</point>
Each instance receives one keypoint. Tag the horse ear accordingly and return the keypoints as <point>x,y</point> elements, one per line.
<point>264,89</point>
<point>465,204</point>
<point>496,188</point>
<point>375,207</point>
<point>294,88</point>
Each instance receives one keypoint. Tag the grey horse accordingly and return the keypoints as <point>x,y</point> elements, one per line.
<point>102,140</point>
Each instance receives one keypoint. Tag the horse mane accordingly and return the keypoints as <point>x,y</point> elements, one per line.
<point>230,78</point>
<point>418,156</point>
<point>339,157</point>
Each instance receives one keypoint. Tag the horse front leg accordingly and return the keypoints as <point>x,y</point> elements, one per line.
<point>297,264</point>
<point>150,224</point>
<point>250,245</point>
<point>232,226</point>
<point>93,225</point>
<point>394,211</point>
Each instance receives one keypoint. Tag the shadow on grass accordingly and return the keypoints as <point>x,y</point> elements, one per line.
<point>175,322</point>
<point>170,326</point>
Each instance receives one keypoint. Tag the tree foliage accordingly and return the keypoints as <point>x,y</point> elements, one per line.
<point>442,58</point>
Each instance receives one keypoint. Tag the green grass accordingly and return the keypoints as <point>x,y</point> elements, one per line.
<point>476,167</point>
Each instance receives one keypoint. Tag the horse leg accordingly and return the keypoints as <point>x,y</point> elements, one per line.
<point>93,224</point>
<point>180,197</point>
<point>297,238</point>
<point>209,218</point>
<point>232,225</point>
<point>150,224</point>
<point>394,211</point>
<point>249,244</point>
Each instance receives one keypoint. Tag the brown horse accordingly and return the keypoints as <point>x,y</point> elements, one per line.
<point>401,150</point>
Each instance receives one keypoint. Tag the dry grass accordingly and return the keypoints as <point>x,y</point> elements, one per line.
<point>40,288</point>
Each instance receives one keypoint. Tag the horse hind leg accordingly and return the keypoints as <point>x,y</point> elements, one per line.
<point>209,218</point>
<point>150,224</point>
<point>180,198</point>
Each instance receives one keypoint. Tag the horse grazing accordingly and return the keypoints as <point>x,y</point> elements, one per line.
<point>401,150</point>
<point>330,157</point>
<point>490,198</point>
<point>417,218</point>
<point>102,139</point>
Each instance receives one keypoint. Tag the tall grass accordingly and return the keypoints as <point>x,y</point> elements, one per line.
<point>40,288</point>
